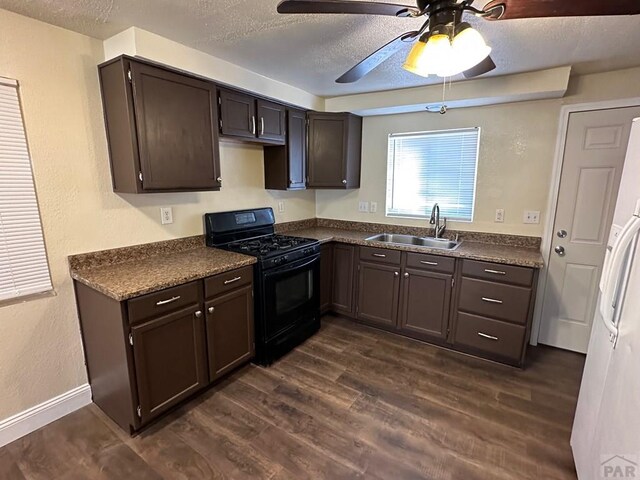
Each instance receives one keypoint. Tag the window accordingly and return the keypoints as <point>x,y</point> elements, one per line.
<point>23,261</point>
<point>432,167</point>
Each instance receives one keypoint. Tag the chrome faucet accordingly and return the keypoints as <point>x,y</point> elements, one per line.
<point>435,221</point>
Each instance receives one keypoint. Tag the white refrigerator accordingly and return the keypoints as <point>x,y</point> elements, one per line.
<point>606,431</point>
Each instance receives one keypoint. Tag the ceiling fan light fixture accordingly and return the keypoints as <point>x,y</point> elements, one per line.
<point>437,54</point>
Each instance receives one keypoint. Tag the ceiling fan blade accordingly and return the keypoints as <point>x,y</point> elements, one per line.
<point>377,57</point>
<point>346,6</point>
<point>483,67</point>
<point>561,8</point>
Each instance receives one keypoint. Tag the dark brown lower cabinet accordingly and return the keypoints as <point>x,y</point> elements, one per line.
<point>378,289</point>
<point>147,354</point>
<point>342,297</point>
<point>170,360</point>
<point>425,304</point>
<point>230,331</point>
<point>326,276</point>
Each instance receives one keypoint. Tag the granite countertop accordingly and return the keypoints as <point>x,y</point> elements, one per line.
<point>146,274</point>
<point>488,252</point>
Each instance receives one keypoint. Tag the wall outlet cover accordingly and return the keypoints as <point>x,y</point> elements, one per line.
<point>166,215</point>
<point>499,215</point>
<point>531,217</point>
<point>373,208</point>
<point>363,207</point>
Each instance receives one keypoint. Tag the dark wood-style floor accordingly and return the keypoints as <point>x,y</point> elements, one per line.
<point>352,402</point>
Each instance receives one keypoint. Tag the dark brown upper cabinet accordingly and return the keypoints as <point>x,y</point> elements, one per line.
<point>285,166</point>
<point>244,117</point>
<point>334,150</point>
<point>161,128</point>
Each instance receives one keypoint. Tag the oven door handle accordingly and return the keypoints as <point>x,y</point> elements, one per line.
<point>291,267</point>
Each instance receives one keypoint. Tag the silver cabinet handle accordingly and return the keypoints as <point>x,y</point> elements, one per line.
<point>219,179</point>
<point>211,310</point>
<point>406,275</point>
<point>344,182</point>
<point>198,314</point>
<point>495,272</point>
<point>233,280</point>
<point>379,255</point>
<point>253,124</point>
<point>424,262</point>
<point>261,126</point>
<point>491,300</point>
<point>396,274</point>
<point>560,250</point>
<point>490,337</point>
<point>170,300</point>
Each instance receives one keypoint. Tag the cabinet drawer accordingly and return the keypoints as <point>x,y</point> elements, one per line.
<point>431,262</point>
<point>492,336</point>
<point>162,302</point>
<point>498,272</point>
<point>504,302</point>
<point>227,281</point>
<point>381,255</point>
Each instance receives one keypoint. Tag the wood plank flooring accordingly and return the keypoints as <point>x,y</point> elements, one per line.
<point>352,402</point>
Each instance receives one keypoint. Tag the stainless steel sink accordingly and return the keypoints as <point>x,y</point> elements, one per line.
<point>428,242</point>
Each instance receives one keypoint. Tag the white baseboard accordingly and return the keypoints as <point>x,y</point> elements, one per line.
<point>36,417</point>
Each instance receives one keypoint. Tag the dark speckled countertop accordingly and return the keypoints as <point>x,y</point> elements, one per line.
<point>487,252</point>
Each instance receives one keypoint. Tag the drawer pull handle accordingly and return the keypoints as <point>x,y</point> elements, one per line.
<point>489,337</point>
<point>491,300</point>
<point>424,262</point>
<point>379,255</point>
<point>233,280</point>
<point>170,300</point>
<point>495,272</point>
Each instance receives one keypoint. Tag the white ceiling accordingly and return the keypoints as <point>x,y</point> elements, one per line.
<point>310,51</point>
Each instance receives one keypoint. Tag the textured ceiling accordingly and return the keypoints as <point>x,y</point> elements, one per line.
<point>310,51</point>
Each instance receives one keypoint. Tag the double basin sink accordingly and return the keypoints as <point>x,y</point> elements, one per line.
<point>429,242</point>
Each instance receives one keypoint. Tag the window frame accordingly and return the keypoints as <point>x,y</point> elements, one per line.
<point>427,216</point>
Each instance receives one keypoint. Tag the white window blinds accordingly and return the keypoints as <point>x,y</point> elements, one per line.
<point>432,167</point>
<point>23,262</point>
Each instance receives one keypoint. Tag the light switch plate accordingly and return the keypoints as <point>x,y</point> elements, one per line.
<point>281,206</point>
<point>363,207</point>
<point>373,208</point>
<point>166,215</point>
<point>499,215</point>
<point>531,217</point>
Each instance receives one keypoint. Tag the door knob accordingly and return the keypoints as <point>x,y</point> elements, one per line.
<point>560,250</point>
<point>562,233</point>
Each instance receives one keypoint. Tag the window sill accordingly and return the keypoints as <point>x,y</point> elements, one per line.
<point>28,298</point>
<point>426,218</point>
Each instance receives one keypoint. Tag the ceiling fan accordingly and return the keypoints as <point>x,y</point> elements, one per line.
<point>446,45</point>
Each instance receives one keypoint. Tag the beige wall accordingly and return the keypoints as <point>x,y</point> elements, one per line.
<point>40,348</point>
<point>515,161</point>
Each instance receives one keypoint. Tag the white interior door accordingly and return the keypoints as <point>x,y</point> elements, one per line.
<point>593,159</point>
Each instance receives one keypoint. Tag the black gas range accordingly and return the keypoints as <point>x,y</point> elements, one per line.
<point>287,277</point>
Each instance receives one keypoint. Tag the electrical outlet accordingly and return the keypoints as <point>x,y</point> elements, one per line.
<point>281,206</point>
<point>363,207</point>
<point>373,208</point>
<point>499,215</point>
<point>166,215</point>
<point>531,216</point>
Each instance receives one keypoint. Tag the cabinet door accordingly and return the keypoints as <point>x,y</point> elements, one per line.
<point>170,360</point>
<point>327,150</point>
<point>378,287</point>
<point>238,114</point>
<point>271,120</point>
<point>343,279</point>
<point>176,118</point>
<point>326,276</point>
<point>426,298</point>
<point>297,148</point>
<point>230,331</point>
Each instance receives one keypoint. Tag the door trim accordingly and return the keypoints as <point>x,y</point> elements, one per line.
<point>552,201</point>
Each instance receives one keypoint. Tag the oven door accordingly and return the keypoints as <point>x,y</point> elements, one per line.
<point>291,295</point>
